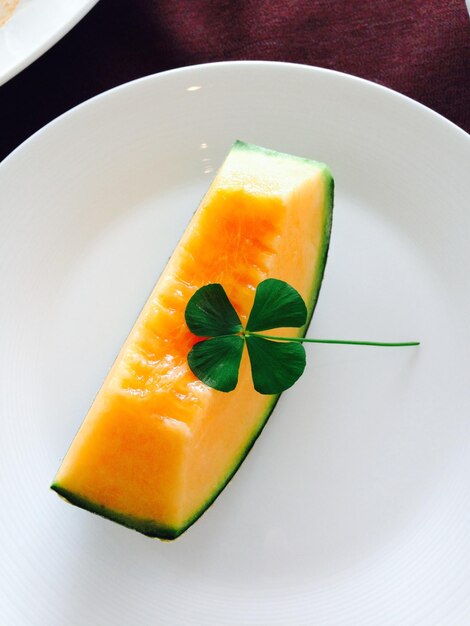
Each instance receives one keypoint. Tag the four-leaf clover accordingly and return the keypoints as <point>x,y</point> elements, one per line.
<point>276,363</point>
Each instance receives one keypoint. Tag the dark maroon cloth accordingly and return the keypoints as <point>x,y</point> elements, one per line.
<point>418,47</point>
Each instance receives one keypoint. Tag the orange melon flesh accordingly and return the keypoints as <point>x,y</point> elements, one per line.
<point>157,445</point>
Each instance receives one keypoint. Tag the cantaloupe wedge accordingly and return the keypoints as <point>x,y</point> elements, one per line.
<point>157,445</point>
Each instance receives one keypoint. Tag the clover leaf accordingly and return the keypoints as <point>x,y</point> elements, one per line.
<point>216,361</point>
<point>275,366</point>
<point>209,313</point>
<point>276,305</point>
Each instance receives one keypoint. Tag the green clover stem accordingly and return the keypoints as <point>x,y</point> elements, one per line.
<point>337,341</point>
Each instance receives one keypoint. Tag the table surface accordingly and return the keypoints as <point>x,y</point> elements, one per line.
<point>418,47</point>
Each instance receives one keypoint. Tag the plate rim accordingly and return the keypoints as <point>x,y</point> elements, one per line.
<point>407,101</point>
<point>48,43</point>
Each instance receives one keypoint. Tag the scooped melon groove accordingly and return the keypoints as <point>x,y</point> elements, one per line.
<point>158,446</point>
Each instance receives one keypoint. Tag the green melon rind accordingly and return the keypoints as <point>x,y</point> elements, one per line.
<point>146,526</point>
<point>319,271</point>
<point>243,145</point>
<point>149,527</point>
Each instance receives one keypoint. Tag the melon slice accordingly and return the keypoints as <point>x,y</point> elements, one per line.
<point>157,445</point>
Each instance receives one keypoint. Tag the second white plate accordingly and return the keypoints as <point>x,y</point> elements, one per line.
<point>34,27</point>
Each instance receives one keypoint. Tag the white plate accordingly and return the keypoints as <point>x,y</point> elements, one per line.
<point>34,27</point>
<point>353,508</point>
